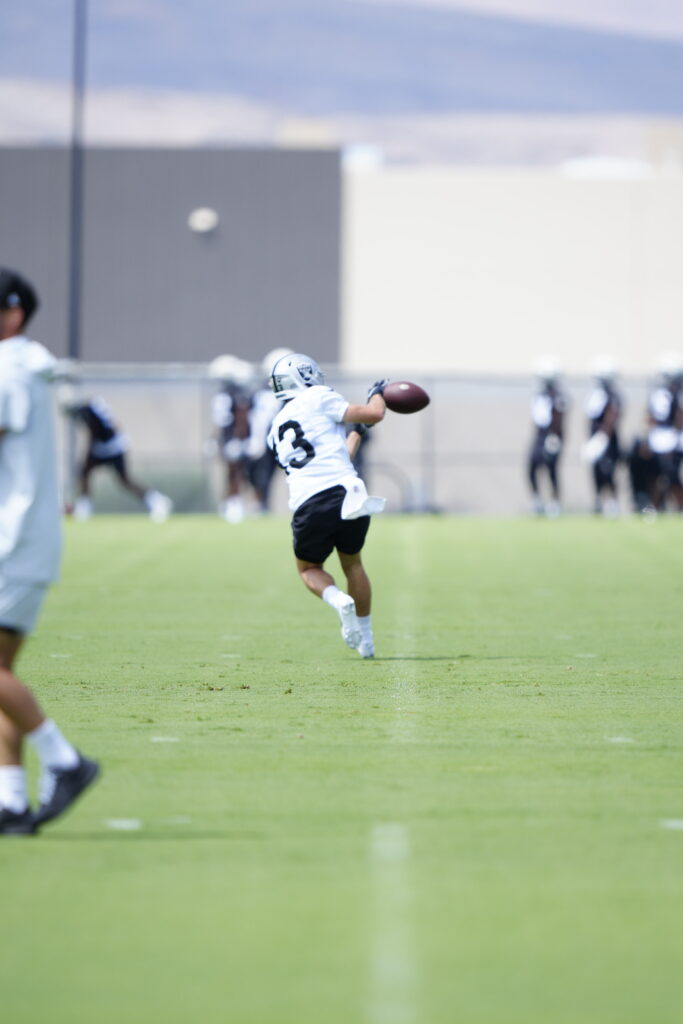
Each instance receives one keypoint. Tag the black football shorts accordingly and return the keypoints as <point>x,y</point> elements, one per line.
<point>115,462</point>
<point>318,528</point>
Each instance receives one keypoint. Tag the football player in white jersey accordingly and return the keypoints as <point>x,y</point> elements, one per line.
<point>30,548</point>
<point>655,460</point>
<point>330,503</point>
<point>602,451</point>
<point>548,408</point>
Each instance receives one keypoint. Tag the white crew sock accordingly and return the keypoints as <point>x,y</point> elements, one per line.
<point>13,795</point>
<point>332,595</point>
<point>365,624</point>
<point>53,750</point>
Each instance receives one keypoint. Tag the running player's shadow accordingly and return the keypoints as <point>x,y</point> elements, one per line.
<point>419,657</point>
<point>141,836</point>
<point>441,657</point>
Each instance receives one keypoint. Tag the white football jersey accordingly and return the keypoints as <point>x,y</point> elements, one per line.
<point>309,441</point>
<point>30,518</point>
<point>597,403</point>
<point>264,407</point>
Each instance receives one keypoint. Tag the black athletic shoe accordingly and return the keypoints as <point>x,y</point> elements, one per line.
<point>64,785</point>
<point>13,824</point>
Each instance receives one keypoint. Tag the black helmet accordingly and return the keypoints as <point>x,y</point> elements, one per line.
<point>17,293</point>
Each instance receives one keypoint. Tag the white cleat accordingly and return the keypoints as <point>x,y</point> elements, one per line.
<point>366,649</point>
<point>82,509</point>
<point>160,507</point>
<point>350,630</point>
<point>232,510</point>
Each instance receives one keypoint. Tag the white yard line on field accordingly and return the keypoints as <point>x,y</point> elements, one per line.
<point>404,693</point>
<point>394,975</point>
<point>403,726</point>
<point>393,992</point>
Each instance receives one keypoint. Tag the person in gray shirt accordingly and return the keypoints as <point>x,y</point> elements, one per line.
<point>30,550</point>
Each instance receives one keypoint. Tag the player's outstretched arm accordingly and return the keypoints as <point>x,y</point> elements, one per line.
<point>371,413</point>
<point>374,409</point>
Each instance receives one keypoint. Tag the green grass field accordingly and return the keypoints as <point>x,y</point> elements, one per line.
<point>482,826</point>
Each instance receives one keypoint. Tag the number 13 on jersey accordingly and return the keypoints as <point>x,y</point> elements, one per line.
<point>284,435</point>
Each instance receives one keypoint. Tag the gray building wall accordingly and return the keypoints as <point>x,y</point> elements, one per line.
<point>153,290</point>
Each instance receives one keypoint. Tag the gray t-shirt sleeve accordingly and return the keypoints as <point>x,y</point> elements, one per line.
<point>15,405</point>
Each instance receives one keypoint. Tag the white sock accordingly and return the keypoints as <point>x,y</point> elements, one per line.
<point>331,595</point>
<point>13,795</point>
<point>53,750</point>
<point>365,623</point>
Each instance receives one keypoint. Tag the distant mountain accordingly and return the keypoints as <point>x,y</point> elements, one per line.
<point>327,58</point>
<point>662,18</point>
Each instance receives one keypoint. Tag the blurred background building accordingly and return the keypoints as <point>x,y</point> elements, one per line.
<point>186,253</point>
<point>436,188</point>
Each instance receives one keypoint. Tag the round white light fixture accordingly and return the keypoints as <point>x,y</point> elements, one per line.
<point>202,220</point>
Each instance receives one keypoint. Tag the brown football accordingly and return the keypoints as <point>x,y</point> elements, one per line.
<point>404,396</point>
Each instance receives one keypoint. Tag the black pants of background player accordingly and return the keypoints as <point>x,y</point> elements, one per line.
<point>668,484</point>
<point>655,477</point>
<point>117,463</point>
<point>540,459</point>
<point>260,472</point>
<point>604,471</point>
<point>642,472</point>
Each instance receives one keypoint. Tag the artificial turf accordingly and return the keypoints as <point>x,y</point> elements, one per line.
<point>483,825</point>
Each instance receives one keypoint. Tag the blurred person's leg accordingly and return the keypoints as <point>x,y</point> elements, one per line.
<point>533,465</point>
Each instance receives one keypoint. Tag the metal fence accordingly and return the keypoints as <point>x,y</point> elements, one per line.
<point>465,454</point>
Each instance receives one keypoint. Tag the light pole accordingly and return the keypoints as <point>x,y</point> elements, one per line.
<point>75,224</point>
<point>76,179</point>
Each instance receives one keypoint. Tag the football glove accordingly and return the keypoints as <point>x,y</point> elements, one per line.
<point>361,428</point>
<point>377,388</point>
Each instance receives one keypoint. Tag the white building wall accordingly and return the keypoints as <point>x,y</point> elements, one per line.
<point>484,271</point>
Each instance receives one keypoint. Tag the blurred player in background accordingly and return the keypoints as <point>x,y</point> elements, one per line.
<point>602,451</point>
<point>330,503</point>
<point>264,406</point>
<point>107,447</point>
<point>655,461</point>
<point>242,412</point>
<point>548,408</point>
<point>231,410</point>
<point>30,549</point>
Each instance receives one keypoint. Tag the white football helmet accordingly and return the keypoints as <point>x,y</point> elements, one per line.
<point>69,396</point>
<point>548,370</point>
<point>294,373</point>
<point>269,360</point>
<point>232,370</point>
<point>605,368</point>
<point>670,366</point>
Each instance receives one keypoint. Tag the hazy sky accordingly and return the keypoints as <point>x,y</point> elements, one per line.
<point>654,17</point>
<point>221,69</point>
